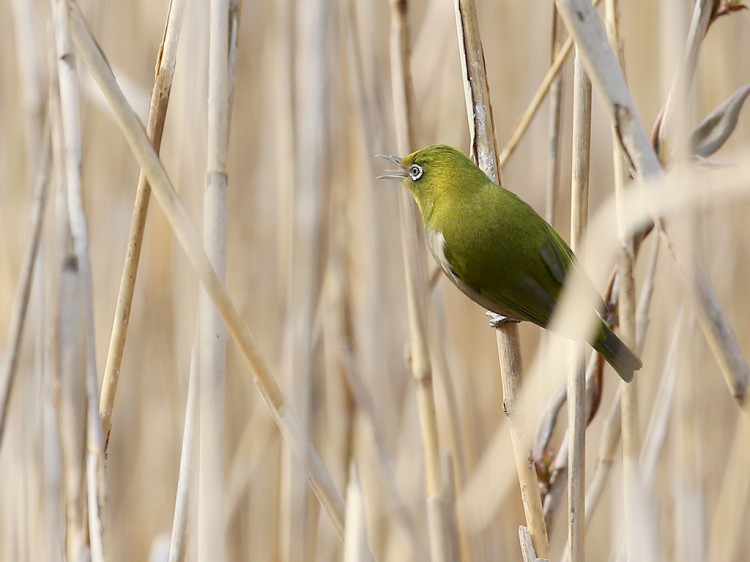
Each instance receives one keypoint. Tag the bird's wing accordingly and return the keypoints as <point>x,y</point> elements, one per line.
<point>559,259</point>
<point>519,297</point>
<point>557,256</point>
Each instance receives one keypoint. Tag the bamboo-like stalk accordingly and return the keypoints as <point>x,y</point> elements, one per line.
<point>728,527</point>
<point>528,115</point>
<point>9,365</point>
<point>483,143</point>
<point>42,502</point>
<point>69,371</point>
<point>631,440</point>
<point>609,82</point>
<point>355,542</point>
<point>555,121</point>
<point>31,76</point>
<point>576,371</point>
<point>629,402</point>
<point>673,110</point>
<point>165,67</point>
<point>368,410</point>
<point>364,401</point>
<point>658,429</point>
<point>284,143</point>
<point>610,439</point>
<point>688,453</point>
<point>212,338</point>
<point>417,289</point>
<point>309,204</point>
<point>67,367</point>
<point>719,334</point>
<point>186,234</point>
<point>71,129</point>
<point>340,403</point>
<point>178,539</point>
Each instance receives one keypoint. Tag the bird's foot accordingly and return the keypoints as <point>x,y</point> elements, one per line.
<point>497,320</point>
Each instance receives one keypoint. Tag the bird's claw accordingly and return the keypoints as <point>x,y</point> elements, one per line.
<point>497,320</point>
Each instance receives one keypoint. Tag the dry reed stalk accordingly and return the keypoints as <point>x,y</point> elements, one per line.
<point>729,524</point>
<point>367,409</point>
<point>165,67</point>
<point>655,440</point>
<point>559,468</point>
<point>717,330</point>
<point>178,539</point>
<point>647,528</point>
<point>71,129</point>
<point>631,439</point>
<point>186,234</point>
<point>610,439</point>
<point>690,529</point>
<point>609,83</point>
<point>355,541</point>
<point>671,121</point>
<point>536,101</point>
<point>453,435</point>
<point>309,204</point>
<point>340,405</point>
<point>212,335</point>
<point>554,168</point>
<point>337,338</point>
<point>403,518</point>
<point>440,522</point>
<point>31,75</point>
<point>555,121</point>
<point>482,128</point>
<point>577,372</point>
<point>284,122</point>
<point>9,365</point>
<point>40,506</point>
<point>67,367</point>
<point>584,24</point>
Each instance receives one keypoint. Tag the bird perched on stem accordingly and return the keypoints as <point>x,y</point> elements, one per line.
<point>493,246</point>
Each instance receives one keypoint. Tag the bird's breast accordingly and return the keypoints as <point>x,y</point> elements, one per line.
<point>436,242</point>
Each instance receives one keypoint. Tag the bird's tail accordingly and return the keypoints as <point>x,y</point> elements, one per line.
<point>616,353</point>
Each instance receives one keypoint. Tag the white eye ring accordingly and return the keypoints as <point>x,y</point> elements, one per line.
<point>415,172</point>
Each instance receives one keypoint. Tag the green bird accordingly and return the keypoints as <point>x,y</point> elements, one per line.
<point>493,246</point>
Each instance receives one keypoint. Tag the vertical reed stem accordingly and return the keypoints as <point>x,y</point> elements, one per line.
<point>577,372</point>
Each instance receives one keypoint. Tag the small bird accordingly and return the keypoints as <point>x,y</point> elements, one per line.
<point>493,246</point>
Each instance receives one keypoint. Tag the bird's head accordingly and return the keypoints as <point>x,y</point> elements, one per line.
<point>436,172</point>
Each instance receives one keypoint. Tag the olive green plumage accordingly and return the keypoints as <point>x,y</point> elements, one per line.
<point>494,246</point>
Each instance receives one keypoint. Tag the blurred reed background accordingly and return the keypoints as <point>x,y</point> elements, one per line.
<point>314,264</point>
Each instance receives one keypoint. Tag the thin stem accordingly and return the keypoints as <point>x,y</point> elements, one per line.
<point>212,336</point>
<point>609,83</point>
<point>178,539</point>
<point>9,366</point>
<point>536,102</point>
<point>165,67</point>
<point>482,128</point>
<point>71,129</point>
<point>186,234</point>
<point>577,372</point>
<point>417,289</point>
<point>555,123</point>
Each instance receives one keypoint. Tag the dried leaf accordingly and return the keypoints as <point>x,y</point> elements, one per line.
<point>726,8</point>
<point>717,127</point>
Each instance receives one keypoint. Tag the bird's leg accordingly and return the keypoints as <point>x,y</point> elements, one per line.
<point>496,320</point>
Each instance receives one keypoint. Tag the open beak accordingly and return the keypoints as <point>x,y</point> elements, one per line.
<point>399,174</point>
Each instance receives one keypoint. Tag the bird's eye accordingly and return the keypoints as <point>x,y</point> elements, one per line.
<point>415,172</point>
